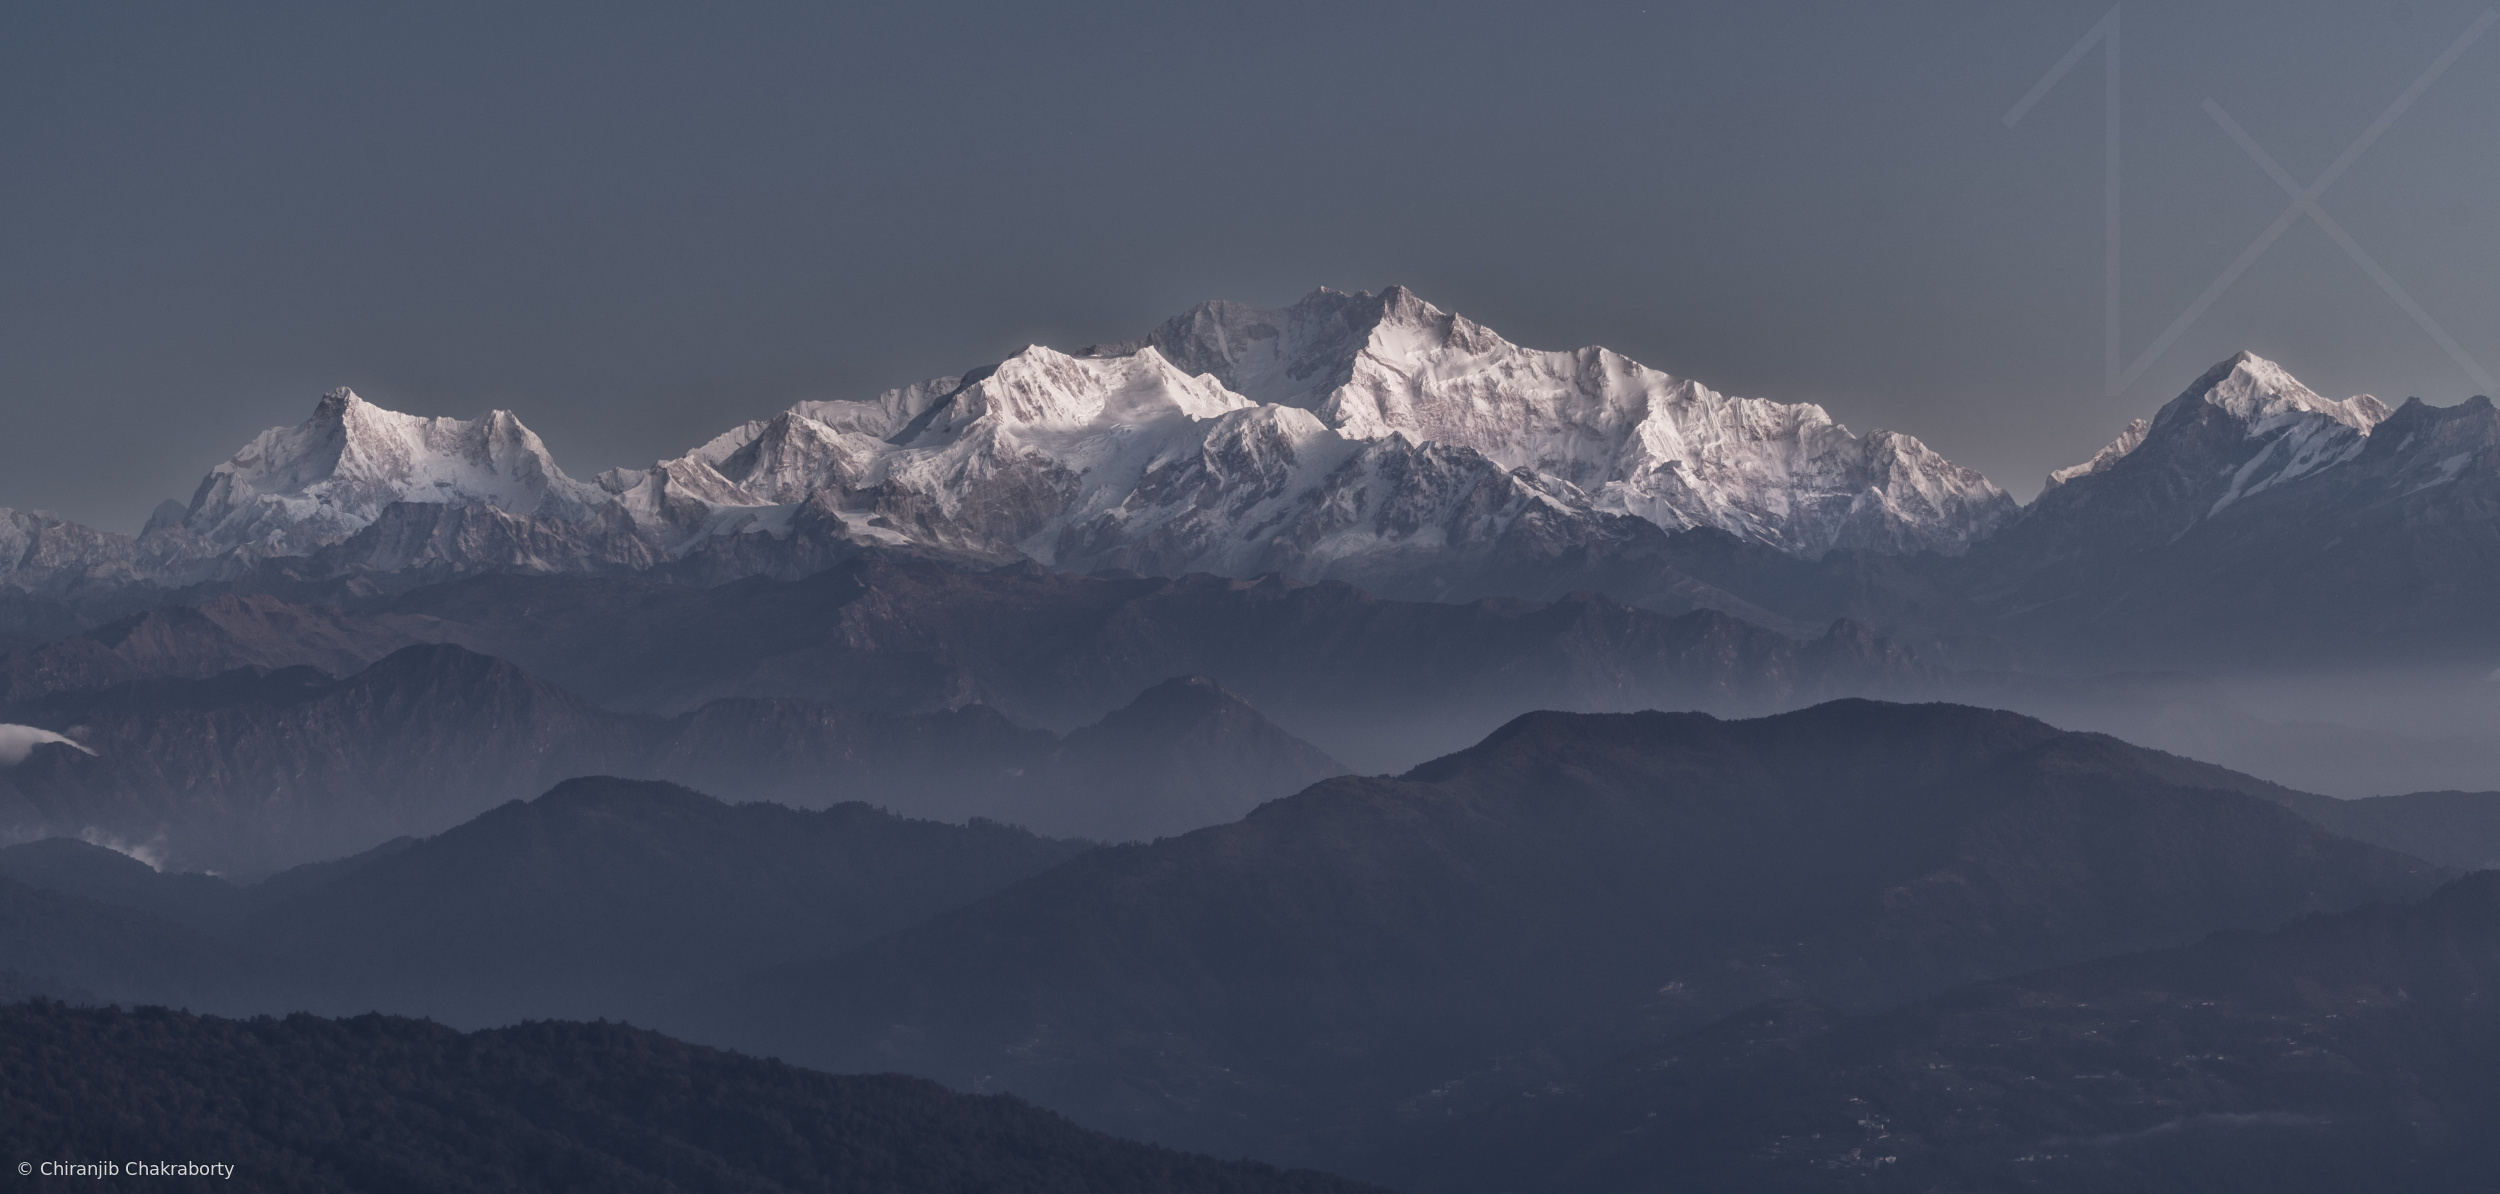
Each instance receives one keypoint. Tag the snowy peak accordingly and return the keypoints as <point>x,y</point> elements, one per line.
<point>2128,440</point>
<point>1045,390</point>
<point>2421,446</point>
<point>2263,396</point>
<point>1304,355</point>
<point>293,489</point>
<point>1289,356</point>
<point>673,497</point>
<point>1644,442</point>
<point>2244,428</point>
<point>2246,425</point>
<point>792,456</point>
<point>2284,430</point>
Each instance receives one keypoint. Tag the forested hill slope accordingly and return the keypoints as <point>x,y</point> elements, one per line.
<point>379,1103</point>
<point>1298,983</point>
<point>2340,1054</point>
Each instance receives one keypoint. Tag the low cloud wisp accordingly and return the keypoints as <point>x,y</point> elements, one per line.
<point>17,742</point>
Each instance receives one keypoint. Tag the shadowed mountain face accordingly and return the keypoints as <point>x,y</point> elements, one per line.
<point>257,770</point>
<point>1375,683</point>
<point>1378,952</point>
<point>1185,754</point>
<point>2458,829</point>
<point>1117,778</point>
<point>602,898</point>
<point>1063,649</point>
<point>947,764</point>
<point>222,634</point>
<point>2253,519</point>
<point>385,1104</point>
<point>605,896</point>
<point>55,943</point>
<point>2346,1053</point>
<point>2452,829</point>
<point>253,770</point>
<point>76,868</point>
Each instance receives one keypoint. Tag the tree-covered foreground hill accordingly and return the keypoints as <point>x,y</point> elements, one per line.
<point>2356,1053</point>
<point>380,1103</point>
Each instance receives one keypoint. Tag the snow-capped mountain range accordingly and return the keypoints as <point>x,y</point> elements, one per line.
<point>2244,428</point>
<point>2273,430</point>
<point>2250,512</point>
<point>295,489</point>
<point>1629,438</point>
<point>1369,438</point>
<point>1325,437</point>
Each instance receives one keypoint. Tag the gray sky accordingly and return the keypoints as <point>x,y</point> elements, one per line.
<point>636,225</point>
